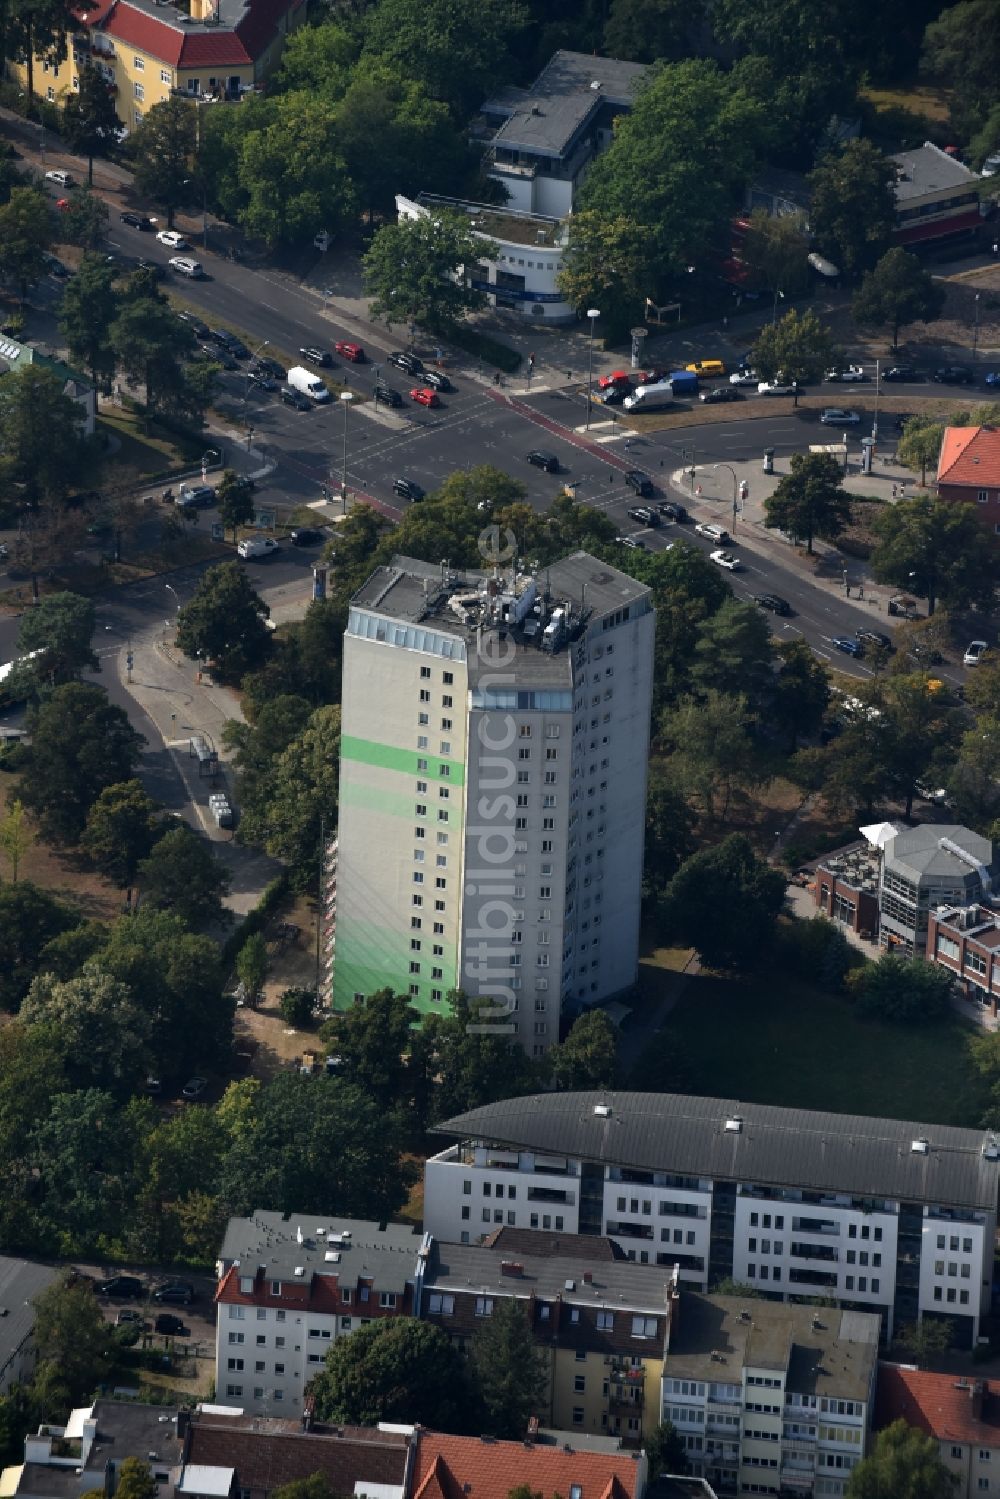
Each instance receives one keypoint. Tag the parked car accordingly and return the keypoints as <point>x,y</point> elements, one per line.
<point>993,378</point>
<point>260,380</point>
<point>720,393</point>
<point>728,560</point>
<point>317,356</point>
<point>975,651</point>
<point>875,638</point>
<point>836,416</point>
<point>255,549</point>
<point>306,536</point>
<point>171,1326</point>
<point>59,177</point>
<point>617,377</point>
<point>198,326</point>
<point>262,365</point>
<point>850,372</point>
<point>436,379</point>
<point>643,515</point>
<point>215,354</point>
<point>129,1315</point>
<point>136,220</point>
<point>195,1086</point>
<point>640,482</point>
<point>229,341</point>
<point>632,542</point>
<point>406,362</point>
<point>408,489</point>
<point>185,266</point>
<point>776,388</point>
<point>172,239</point>
<point>54,266</point>
<point>196,497</point>
<point>707,369</point>
<point>123,1287</point>
<point>176,1292</point>
<point>743,377</point>
<point>673,510</point>
<point>424,396</point>
<point>902,372</point>
<point>388,395</point>
<point>713,532</point>
<point>295,398</point>
<point>848,645</point>
<point>542,458</point>
<point>354,352</point>
<point>614,395</point>
<point>774,602</point>
<point>953,374</point>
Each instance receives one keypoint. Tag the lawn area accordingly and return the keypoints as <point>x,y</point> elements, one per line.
<point>142,453</point>
<point>776,1040</point>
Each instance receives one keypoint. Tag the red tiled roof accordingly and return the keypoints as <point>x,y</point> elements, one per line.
<point>236,46</point>
<point>215,49</point>
<point>314,1293</point>
<point>970,456</point>
<point>938,1404</point>
<point>145,33</point>
<point>449,1467</point>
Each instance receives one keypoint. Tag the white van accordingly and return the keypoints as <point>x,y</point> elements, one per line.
<point>252,548</point>
<point>650,397</point>
<point>308,383</point>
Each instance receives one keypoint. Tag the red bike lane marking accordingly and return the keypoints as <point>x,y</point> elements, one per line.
<point>575,439</point>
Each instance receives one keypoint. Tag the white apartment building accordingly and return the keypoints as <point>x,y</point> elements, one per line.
<point>493,787</point>
<point>288,1287</point>
<point>769,1398</point>
<point>881,1215</point>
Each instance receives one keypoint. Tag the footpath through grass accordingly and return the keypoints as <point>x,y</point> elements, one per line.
<point>782,1042</point>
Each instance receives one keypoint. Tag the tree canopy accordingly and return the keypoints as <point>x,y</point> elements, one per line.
<point>724,901</point>
<point>810,501</point>
<point>853,207</point>
<point>224,622</point>
<point>898,291</point>
<point>936,549</point>
<point>904,1463</point>
<point>80,744</point>
<point>393,1369</point>
<point>420,271</point>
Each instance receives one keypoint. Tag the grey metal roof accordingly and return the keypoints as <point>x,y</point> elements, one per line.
<point>271,1240</point>
<point>927,169</point>
<point>571,87</point>
<point>777,1147</point>
<point>618,1283</point>
<point>821,1351</point>
<point>20,1282</point>
<point>923,853</point>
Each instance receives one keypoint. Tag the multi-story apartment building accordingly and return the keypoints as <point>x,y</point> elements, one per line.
<point>961,1414</point>
<point>492,788</point>
<point>599,1318</point>
<point>966,941</point>
<point>288,1287</point>
<point>877,1214</point>
<point>769,1399</point>
<point>149,50</point>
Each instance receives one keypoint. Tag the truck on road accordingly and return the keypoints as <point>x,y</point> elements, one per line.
<point>309,383</point>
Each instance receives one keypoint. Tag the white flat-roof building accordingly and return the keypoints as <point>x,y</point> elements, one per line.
<point>879,1215</point>
<point>492,788</point>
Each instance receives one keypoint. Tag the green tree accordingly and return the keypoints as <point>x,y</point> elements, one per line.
<point>920,444</point>
<point>665,1450</point>
<point>319,59</point>
<point>421,150</point>
<point>102,1031</point>
<point>134,1480</point>
<point>60,628</point>
<point>148,341</point>
<point>419,271</point>
<point>37,28</point>
<point>922,729</point>
<point>904,1463</point>
<point>775,250</point>
<point>71,1335</point>
<point>235,501</point>
<point>84,1153</point>
<point>290,169</point>
<point>25,235</point>
<point>224,621</point>
<point>961,50</point>
<point>796,348</point>
<point>372,1039</point>
<point>16,836</point>
<point>925,1340</point>
<point>938,550</point>
<point>256,746</point>
<point>904,992</point>
<point>317,1486</point>
<point>649,30</point>
<point>724,901</point>
<point>41,443</point>
<point>588,1057</point>
<point>252,964</point>
<point>29,919</point>
<point>800,692</point>
<point>669,829</point>
<point>974,779</point>
<point>510,1370</point>
<point>472,1065</point>
<point>90,122</point>
<point>853,206</point>
<point>89,306</point>
<point>392,1369</point>
<point>301,796</point>
<point>897,292</point>
<point>85,220</point>
<point>456,51</point>
<point>121,828</point>
<point>733,652</point>
<point>181,874</point>
<point>709,748</point>
<point>316,1145</point>
<point>297,1008</point>
<point>607,265</point>
<point>810,501</point>
<point>80,743</point>
<point>162,152</point>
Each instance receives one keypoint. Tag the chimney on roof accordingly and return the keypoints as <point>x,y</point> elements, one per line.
<point>588,1277</point>
<point>511,1267</point>
<point>976,1395</point>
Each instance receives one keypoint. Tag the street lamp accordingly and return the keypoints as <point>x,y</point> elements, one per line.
<point>246,383</point>
<point>774,309</point>
<point>733,472</point>
<point>346,396</point>
<point>208,453</point>
<point>975,331</point>
<point>593,313</point>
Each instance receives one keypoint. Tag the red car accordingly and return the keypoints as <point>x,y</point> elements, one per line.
<point>354,352</point>
<point>424,396</point>
<point>617,377</point>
